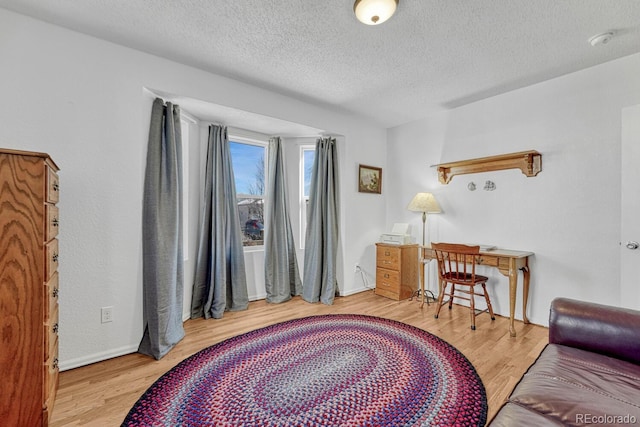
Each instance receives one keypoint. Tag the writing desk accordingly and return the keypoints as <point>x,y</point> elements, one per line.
<point>508,262</point>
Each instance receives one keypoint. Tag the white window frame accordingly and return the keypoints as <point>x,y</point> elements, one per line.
<point>185,122</point>
<point>303,200</point>
<point>241,137</point>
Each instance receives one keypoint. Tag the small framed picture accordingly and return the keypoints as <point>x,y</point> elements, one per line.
<point>369,179</point>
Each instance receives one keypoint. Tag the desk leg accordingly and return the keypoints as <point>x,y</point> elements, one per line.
<point>513,282</point>
<point>526,276</point>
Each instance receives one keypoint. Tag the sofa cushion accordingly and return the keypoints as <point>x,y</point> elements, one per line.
<point>612,331</point>
<point>512,415</point>
<point>574,387</point>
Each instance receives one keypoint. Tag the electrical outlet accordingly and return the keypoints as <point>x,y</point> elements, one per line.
<point>107,314</point>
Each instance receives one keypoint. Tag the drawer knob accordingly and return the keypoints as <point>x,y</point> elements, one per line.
<point>56,292</point>
<point>56,186</point>
<point>55,257</point>
<point>386,276</point>
<point>55,222</point>
<point>55,328</point>
<point>55,363</point>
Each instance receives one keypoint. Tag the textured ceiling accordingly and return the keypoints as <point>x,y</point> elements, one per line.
<point>431,55</point>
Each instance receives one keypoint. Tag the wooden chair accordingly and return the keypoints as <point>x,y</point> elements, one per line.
<point>457,267</point>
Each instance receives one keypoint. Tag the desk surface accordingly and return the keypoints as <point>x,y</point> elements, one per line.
<point>508,253</point>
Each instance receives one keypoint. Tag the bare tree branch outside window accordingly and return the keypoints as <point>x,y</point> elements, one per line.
<point>256,208</point>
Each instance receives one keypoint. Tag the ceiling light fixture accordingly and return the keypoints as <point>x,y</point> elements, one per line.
<point>599,39</point>
<point>374,12</point>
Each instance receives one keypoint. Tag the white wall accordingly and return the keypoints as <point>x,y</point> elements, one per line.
<point>82,101</point>
<point>569,215</point>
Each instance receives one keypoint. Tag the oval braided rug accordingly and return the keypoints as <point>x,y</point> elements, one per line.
<point>331,370</point>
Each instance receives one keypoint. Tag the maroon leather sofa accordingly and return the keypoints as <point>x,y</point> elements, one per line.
<point>588,374</point>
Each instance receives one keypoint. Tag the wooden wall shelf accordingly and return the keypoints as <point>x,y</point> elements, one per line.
<point>529,162</point>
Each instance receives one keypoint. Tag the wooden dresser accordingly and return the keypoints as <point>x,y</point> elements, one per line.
<point>396,270</point>
<point>28,287</point>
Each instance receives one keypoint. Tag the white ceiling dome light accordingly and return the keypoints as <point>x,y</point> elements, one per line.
<point>374,12</point>
<point>600,39</point>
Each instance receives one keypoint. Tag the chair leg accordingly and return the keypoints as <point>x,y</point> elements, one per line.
<point>486,297</point>
<point>472,305</point>
<point>443,288</point>
<point>453,289</point>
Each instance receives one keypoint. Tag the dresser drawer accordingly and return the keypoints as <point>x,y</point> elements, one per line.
<point>388,257</point>
<point>52,222</point>
<point>51,335</point>
<point>51,289</point>
<point>51,260</point>
<point>51,373</point>
<point>50,398</point>
<point>388,279</point>
<point>53,186</point>
<point>51,367</point>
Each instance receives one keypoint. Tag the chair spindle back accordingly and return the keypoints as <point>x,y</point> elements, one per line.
<point>456,261</point>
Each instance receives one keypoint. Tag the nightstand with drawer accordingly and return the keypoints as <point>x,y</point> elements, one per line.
<point>396,270</point>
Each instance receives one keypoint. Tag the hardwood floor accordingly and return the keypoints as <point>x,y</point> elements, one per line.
<point>101,394</point>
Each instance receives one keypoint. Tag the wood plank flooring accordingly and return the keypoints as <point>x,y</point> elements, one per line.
<point>101,394</point>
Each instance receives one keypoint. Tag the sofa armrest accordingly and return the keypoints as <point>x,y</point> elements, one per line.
<point>602,329</point>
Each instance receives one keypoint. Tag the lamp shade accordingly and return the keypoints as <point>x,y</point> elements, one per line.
<point>424,202</point>
<point>374,12</point>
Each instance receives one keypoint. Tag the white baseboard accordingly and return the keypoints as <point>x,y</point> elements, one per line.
<point>355,291</point>
<point>97,357</point>
<point>257,297</point>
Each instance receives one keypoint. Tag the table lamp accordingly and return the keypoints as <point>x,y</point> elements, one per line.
<point>425,203</point>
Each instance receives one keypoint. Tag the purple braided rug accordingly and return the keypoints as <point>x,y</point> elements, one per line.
<point>333,370</point>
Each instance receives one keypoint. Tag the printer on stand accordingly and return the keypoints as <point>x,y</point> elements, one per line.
<point>399,235</point>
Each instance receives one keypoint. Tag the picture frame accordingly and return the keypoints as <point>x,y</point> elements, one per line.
<point>369,179</point>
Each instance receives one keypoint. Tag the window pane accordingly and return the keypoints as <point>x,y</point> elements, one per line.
<point>248,167</point>
<point>249,173</point>
<point>307,164</point>
<point>251,212</point>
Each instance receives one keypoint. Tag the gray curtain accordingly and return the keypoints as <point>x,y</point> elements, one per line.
<point>220,280</point>
<point>162,257</point>
<point>321,244</point>
<point>282,277</point>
